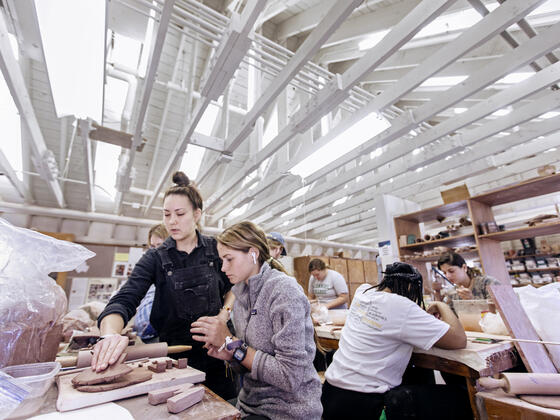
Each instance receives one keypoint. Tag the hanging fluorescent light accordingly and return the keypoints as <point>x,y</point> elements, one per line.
<point>459,110</point>
<point>73,40</point>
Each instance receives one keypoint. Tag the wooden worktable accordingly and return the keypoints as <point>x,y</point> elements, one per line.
<point>212,407</point>
<point>499,405</point>
<point>472,362</point>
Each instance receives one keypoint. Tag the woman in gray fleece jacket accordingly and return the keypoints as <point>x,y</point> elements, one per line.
<point>273,345</point>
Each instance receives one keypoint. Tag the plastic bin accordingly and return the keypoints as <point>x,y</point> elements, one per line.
<point>38,377</point>
<point>470,312</point>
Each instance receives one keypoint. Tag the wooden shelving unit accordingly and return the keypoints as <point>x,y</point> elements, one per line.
<point>479,210</point>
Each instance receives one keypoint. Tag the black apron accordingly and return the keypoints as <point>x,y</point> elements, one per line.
<point>194,292</point>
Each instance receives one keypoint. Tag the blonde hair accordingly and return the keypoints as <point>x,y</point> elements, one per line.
<point>245,235</point>
<point>158,230</point>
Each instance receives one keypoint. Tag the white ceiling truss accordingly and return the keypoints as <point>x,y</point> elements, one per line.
<point>282,79</point>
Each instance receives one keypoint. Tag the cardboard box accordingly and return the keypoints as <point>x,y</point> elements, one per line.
<point>455,194</point>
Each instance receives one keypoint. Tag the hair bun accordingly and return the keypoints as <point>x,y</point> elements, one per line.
<point>181,179</point>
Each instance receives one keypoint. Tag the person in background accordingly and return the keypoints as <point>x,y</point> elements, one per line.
<point>156,235</point>
<point>384,324</point>
<point>273,346</point>
<point>276,244</point>
<point>186,272</point>
<point>327,286</point>
<point>470,282</point>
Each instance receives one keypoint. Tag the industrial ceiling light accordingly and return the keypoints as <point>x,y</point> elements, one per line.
<point>73,39</point>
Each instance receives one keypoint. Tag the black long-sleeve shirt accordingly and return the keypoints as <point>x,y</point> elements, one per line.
<point>149,270</point>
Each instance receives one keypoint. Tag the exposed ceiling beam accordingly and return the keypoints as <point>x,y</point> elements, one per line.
<point>490,154</point>
<point>486,148</point>
<point>350,50</point>
<point>43,158</point>
<point>237,39</point>
<point>337,89</point>
<point>493,24</point>
<point>88,161</point>
<point>124,180</point>
<point>335,16</point>
<point>9,171</point>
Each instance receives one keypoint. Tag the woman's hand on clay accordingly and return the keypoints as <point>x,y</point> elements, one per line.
<point>464,293</point>
<point>107,351</point>
<point>210,330</point>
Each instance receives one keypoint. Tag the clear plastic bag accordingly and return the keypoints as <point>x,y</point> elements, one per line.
<point>319,313</point>
<point>31,303</point>
<point>542,307</point>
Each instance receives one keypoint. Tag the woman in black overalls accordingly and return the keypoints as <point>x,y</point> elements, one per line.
<point>186,271</point>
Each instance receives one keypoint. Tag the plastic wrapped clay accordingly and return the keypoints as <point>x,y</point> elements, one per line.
<point>184,400</point>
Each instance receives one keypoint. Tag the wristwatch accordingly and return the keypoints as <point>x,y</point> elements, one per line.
<point>240,352</point>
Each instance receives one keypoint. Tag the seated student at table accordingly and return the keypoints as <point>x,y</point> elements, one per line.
<point>273,346</point>
<point>469,281</point>
<point>327,286</point>
<point>383,325</point>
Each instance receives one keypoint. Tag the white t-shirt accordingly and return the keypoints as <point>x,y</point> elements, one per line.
<point>329,288</point>
<point>377,340</point>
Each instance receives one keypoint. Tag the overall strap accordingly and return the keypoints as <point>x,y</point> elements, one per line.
<point>166,262</point>
<point>209,248</point>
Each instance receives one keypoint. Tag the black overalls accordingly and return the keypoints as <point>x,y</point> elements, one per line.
<point>194,291</point>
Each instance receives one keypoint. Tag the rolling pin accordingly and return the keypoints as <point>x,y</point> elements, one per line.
<point>83,358</point>
<point>525,383</point>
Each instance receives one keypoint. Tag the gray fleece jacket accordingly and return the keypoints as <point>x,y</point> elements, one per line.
<point>272,315</point>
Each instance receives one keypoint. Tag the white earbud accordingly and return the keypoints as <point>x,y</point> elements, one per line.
<point>254,257</point>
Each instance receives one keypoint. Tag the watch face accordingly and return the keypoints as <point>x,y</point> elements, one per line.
<point>240,353</point>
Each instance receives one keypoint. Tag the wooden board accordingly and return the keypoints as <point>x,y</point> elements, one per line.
<point>70,398</point>
<point>212,407</point>
<point>534,355</point>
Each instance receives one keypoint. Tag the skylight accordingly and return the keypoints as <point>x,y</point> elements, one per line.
<point>443,81</point>
<point>194,154</point>
<point>359,133</point>
<point>125,51</point>
<point>73,39</point>
<point>513,78</point>
<point>105,167</point>
<point>550,114</point>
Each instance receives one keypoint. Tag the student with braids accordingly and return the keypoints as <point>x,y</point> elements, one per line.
<point>189,283</point>
<point>273,346</point>
<point>384,324</point>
